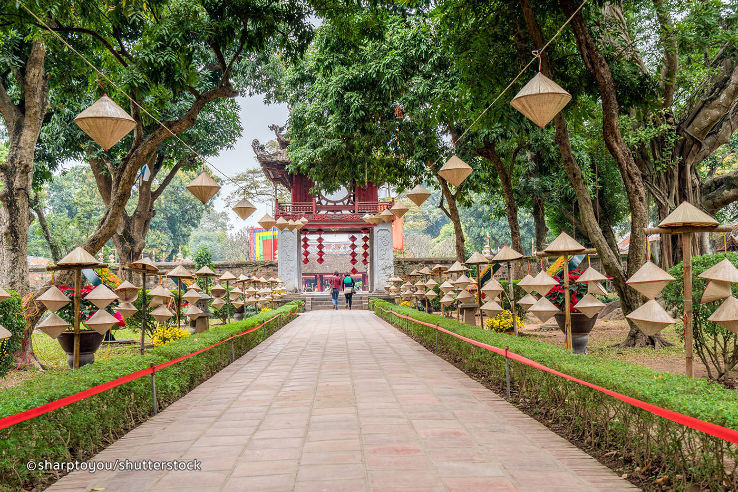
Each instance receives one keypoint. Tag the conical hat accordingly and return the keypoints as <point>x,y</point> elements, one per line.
<point>506,254</point>
<point>398,209</point>
<point>649,280</point>
<point>540,100</point>
<point>191,296</point>
<point>161,314</point>
<point>205,272</point>
<point>462,282</point>
<point>54,299</point>
<point>53,325</point>
<point>477,259</point>
<point>455,170</point>
<point>525,283</point>
<point>386,215</point>
<point>447,299</point>
<point>4,333</point>
<point>425,271</point>
<point>126,309</point>
<point>237,304</point>
<point>418,195</point>
<point>217,290</point>
<point>144,264</point>
<point>395,280</point>
<point>101,321</point>
<point>367,218</point>
<point>420,285</point>
<point>126,291</point>
<point>651,318</point>
<point>491,308</point>
<point>492,288</point>
<point>446,287</point>
<point>193,312</point>
<point>250,301</point>
<point>464,295</point>
<point>727,314</point>
<point>591,275</point>
<point>589,305</point>
<point>195,287</point>
<point>227,277</point>
<point>564,244</point>
<point>597,288</point>
<point>715,290</point>
<point>430,283</point>
<point>430,294</point>
<point>203,187</point>
<point>267,222</point>
<point>101,296</point>
<point>439,268</point>
<point>419,293</point>
<point>456,268</point>
<point>4,294</point>
<point>244,208</point>
<point>687,214</point>
<point>527,301</point>
<point>543,309</point>
<point>179,272</point>
<point>292,225</point>
<point>218,303</point>
<point>281,223</point>
<point>414,273</point>
<point>235,292</point>
<point>542,283</point>
<point>78,257</point>
<point>724,271</point>
<point>160,291</point>
<point>105,122</point>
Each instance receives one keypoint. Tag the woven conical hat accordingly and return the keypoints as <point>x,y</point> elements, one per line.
<point>591,275</point>
<point>430,283</point>
<point>203,187</point>
<point>430,294</point>
<point>687,214</point>
<point>218,303</point>
<point>418,195</point>
<point>386,215</point>
<point>724,271</point>
<point>597,288</point>
<point>4,333</point>
<point>193,312</point>
<point>506,254</point>
<point>540,100</point>
<point>455,170</point>
<point>419,293</point>
<point>126,291</point>
<point>525,283</point>
<point>53,325</point>
<point>414,273</point>
<point>439,268</point>
<point>542,283</point>
<point>367,218</point>
<point>527,301</point>
<point>244,208</point>
<point>727,314</point>
<point>491,308</point>
<point>101,296</point>
<point>292,225</point>
<point>54,299</point>
<point>447,299</point>
<point>446,287</point>
<point>420,285</point>
<point>126,309</point>
<point>281,223</point>
<point>242,278</point>
<point>715,290</point>
<point>205,272</point>
<point>105,122</point>
<point>398,209</point>
<point>651,318</point>
<point>250,301</point>
<point>227,277</point>
<point>195,287</point>
<point>589,305</point>
<point>407,285</point>
<point>543,309</point>
<point>407,295</point>
<point>191,296</point>
<point>217,290</point>
<point>464,295</point>
<point>492,288</point>
<point>237,304</point>
<point>267,222</point>
<point>144,264</point>
<point>462,282</point>
<point>564,244</point>
<point>101,321</point>
<point>395,280</point>
<point>160,291</point>
<point>477,259</point>
<point>180,272</point>
<point>425,271</point>
<point>649,280</point>
<point>236,292</point>
<point>4,294</point>
<point>78,257</point>
<point>161,314</point>
<point>456,268</point>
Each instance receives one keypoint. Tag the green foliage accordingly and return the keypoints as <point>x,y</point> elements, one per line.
<point>593,417</point>
<point>11,318</point>
<point>80,430</point>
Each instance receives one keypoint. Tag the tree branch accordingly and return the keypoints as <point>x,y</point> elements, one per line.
<point>168,179</point>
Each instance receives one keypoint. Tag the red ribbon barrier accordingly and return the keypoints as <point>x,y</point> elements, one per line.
<point>17,418</point>
<point>715,430</point>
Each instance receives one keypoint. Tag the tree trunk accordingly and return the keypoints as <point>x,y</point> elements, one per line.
<point>452,212</point>
<point>539,221</point>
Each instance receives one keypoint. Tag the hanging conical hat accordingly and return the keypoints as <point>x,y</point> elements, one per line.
<point>447,299</point>
<point>430,283</point>
<point>398,209</point>
<point>105,122</point>
<point>407,285</point>
<point>203,187</point>
<point>715,290</point>
<point>244,208</point>
<point>456,268</point>
<point>649,280</point>
<point>126,309</point>
<point>242,278</point>
<point>101,296</point>
<point>53,325</point>
<point>724,271</point>
<point>394,290</point>
<point>281,223</point>
<point>407,295</point>
<point>589,305</point>
<point>543,309</point>
<point>4,294</point>
<point>78,257</point>
<point>305,221</point>
<point>491,308</point>
<point>540,100</point>
<point>430,294</point>
<point>386,215</point>
<point>227,277</point>
<point>218,303</point>
<point>492,288</point>
<point>144,264</point>
<point>367,218</point>
<point>251,290</point>
<point>414,273</point>
<point>195,287</point>
<point>477,259</point>
<point>425,271</point>
<point>542,283</point>
<point>161,314</point>
<point>267,222</point>
<point>193,312</point>
<point>651,318</point>
<point>395,280</point>
<point>53,299</point>
<point>727,314</point>
<point>446,287</point>
<point>236,292</point>
<point>462,282</point>
<point>464,295</point>
<point>525,283</point>
<point>217,290</point>
<point>597,288</point>
<point>506,254</point>
<point>419,293</point>
<point>591,275</point>
<point>418,195</point>
<point>291,225</point>
<point>191,296</point>
<point>4,333</point>
<point>420,285</point>
<point>527,301</point>
<point>250,301</point>
<point>160,291</point>
<point>179,272</point>
<point>687,214</point>
<point>439,268</point>
<point>101,321</point>
<point>126,291</point>
<point>237,304</point>
<point>564,244</point>
<point>455,170</point>
<point>205,272</point>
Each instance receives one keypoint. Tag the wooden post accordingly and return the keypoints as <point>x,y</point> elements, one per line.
<point>77,302</point>
<point>479,295</point>
<point>512,297</point>
<point>143,309</point>
<point>687,262</point>
<point>567,305</point>
<point>228,311</point>
<point>179,299</point>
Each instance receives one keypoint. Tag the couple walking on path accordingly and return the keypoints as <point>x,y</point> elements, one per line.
<point>345,284</point>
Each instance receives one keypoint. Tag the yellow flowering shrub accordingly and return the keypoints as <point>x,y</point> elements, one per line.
<point>265,309</point>
<point>165,334</point>
<point>407,304</point>
<point>503,322</point>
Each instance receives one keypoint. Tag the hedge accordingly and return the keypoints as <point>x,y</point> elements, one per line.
<point>659,447</point>
<point>80,430</point>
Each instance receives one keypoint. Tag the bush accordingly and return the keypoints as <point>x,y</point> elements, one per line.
<point>167,334</point>
<point>79,430</point>
<point>643,440</point>
<point>11,317</point>
<point>503,322</point>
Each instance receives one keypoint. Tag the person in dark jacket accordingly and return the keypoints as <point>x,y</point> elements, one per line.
<point>348,289</point>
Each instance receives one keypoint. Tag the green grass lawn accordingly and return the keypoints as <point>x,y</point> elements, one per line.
<point>51,355</point>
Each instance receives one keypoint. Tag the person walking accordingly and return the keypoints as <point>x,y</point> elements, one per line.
<point>335,281</point>
<point>348,289</point>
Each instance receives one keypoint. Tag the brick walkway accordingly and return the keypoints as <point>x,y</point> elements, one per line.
<point>342,401</point>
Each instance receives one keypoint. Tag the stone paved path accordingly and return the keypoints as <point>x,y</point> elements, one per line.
<point>342,401</point>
